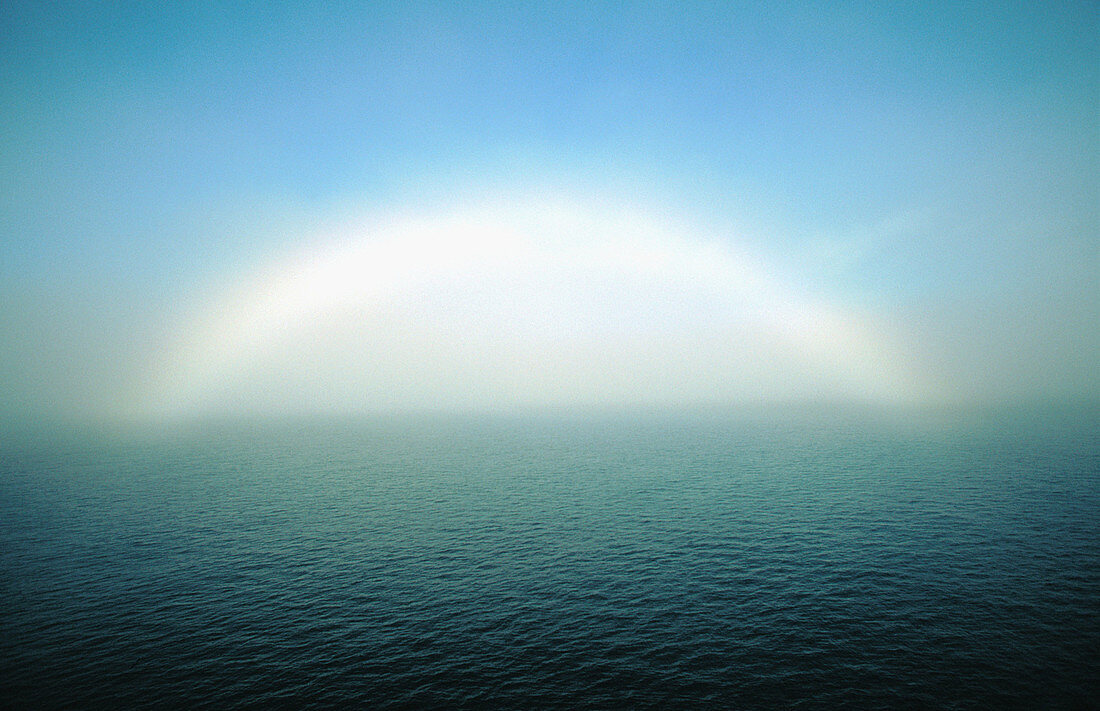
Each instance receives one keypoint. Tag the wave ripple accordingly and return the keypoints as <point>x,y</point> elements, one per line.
<point>646,563</point>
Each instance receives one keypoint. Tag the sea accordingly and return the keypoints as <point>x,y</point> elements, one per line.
<point>784,557</point>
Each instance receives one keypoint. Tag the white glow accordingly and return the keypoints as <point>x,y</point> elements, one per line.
<point>533,303</point>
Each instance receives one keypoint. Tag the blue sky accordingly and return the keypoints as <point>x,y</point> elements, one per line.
<point>935,163</point>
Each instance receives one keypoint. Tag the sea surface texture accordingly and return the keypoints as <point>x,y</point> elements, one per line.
<point>787,559</point>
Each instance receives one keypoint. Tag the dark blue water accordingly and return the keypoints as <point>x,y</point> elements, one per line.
<point>836,559</point>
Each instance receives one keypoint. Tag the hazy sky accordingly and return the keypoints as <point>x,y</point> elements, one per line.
<point>270,207</point>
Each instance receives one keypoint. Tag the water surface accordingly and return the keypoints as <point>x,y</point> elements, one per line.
<point>805,559</point>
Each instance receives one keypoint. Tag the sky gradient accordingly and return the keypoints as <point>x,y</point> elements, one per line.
<point>904,198</point>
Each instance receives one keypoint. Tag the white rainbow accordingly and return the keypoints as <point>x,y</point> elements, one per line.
<point>608,282</point>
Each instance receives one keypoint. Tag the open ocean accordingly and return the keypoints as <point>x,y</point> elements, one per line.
<point>786,558</point>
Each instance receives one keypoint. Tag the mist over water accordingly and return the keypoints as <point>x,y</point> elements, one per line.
<point>815,557</point>
<point>621,246</point>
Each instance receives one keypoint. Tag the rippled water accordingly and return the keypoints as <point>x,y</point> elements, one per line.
<point>799,560</point>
